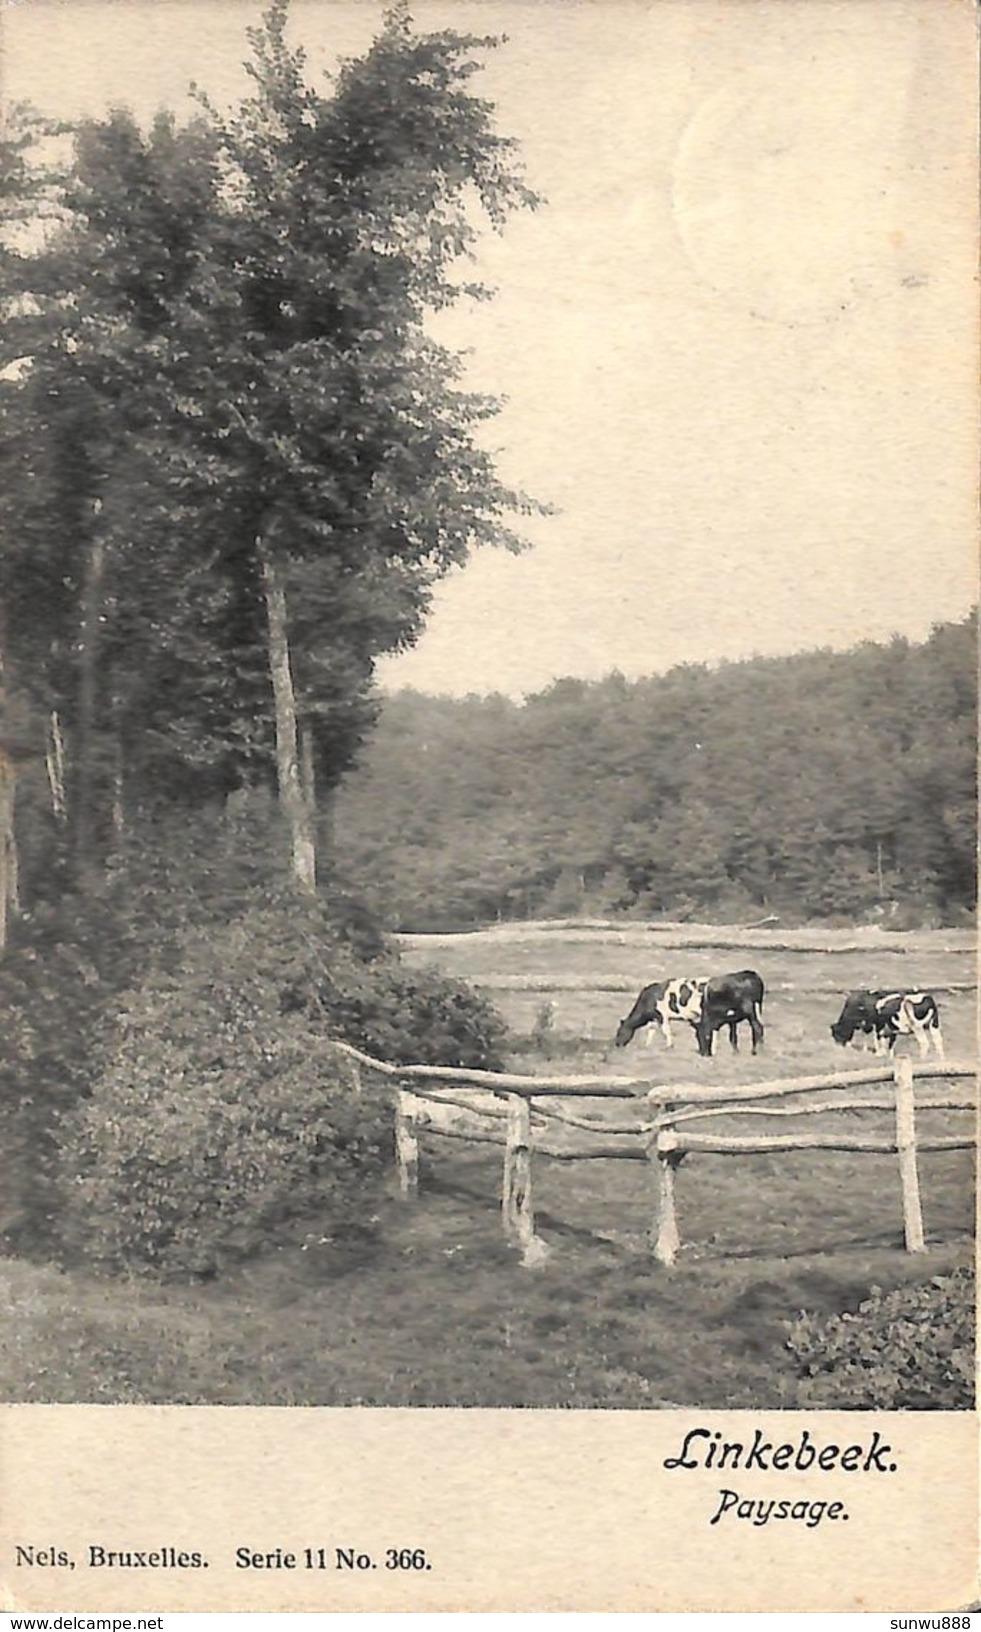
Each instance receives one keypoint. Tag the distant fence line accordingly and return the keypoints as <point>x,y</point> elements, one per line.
<point>661,1136</point>
<point>515,927</point>
<point>691,937</point>
<point>578,983</point>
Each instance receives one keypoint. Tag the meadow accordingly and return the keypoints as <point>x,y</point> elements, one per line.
<point>562,994</point>
<point>425,1304</point>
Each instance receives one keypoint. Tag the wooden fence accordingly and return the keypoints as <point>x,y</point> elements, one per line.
<point>534,984</point>
<point>761,936</point>
<point>520,1115</point>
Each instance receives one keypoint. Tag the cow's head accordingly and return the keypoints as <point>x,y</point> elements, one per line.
<point>703,1038</point>
<point>854,1015</point>
<point>624,1033</point>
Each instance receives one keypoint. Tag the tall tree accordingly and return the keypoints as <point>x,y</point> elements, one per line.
<point>309,385</point>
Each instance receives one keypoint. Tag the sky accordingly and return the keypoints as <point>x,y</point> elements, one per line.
<point>737,343</point>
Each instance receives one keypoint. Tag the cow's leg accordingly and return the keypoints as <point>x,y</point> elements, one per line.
<point>666,1031</point>
<point>734,1036</point>
<point>756,1027</point>
<point>922,1042</point>
<point>936,1037</point>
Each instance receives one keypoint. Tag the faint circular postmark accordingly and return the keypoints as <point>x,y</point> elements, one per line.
<point>781,205</point>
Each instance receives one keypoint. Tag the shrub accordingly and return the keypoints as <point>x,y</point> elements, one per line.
<point>907,1350</point>
<point>215,1120</point>
<point>219,1112</point>
<point>412,1016</point>
<point>542,1034</point>
<point>328,961</point>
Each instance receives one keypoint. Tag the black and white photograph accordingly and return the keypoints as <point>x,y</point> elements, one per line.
<point>488,590</point>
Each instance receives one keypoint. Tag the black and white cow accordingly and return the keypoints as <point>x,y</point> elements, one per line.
<point>884,1016</point>
<point>662,1002</point>
<point>706,1004</point>
<point>729,1000</point>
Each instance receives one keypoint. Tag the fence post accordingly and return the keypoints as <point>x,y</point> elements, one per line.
<point>906,1146</point>
<point>406,1144</point>
<point>517,1211</point>
<point>664,1157</point>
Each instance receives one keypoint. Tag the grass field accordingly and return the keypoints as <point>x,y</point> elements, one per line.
<point>427,1305</point>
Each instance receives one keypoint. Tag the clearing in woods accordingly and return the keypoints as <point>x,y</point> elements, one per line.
<point>429,1306</point>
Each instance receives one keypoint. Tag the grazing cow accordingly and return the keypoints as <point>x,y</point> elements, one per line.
<point>728,1000</point>
<point>887,1015</point>
<point>662,1002</point>
<point>733,998</point>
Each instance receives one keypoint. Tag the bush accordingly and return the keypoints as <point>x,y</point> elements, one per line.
<point>907,1350</point>
<point>219,1112</point>
<point>542,1034</point>
<point>411,1016</point>
<point>215,1120</point>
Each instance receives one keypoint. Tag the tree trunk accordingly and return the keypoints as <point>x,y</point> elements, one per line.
<point>12,860</point>
<point>292,795</point>
<point>118,777</point>
<point>84,780</point>
<point>54,760</point>
<point>308,782</point>
<point>8,853</point>
<point>118,805</point>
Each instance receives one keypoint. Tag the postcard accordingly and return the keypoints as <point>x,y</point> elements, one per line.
<point>488,580</point>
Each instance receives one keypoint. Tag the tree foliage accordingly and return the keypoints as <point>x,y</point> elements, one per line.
<point>224,381</point>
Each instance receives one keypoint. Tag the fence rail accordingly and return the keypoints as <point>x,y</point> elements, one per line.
<point>538,985</point>
<point>504,1109</point>
<point>762,936</point>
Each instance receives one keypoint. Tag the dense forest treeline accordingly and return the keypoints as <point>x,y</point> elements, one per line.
<point>816,785</point>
